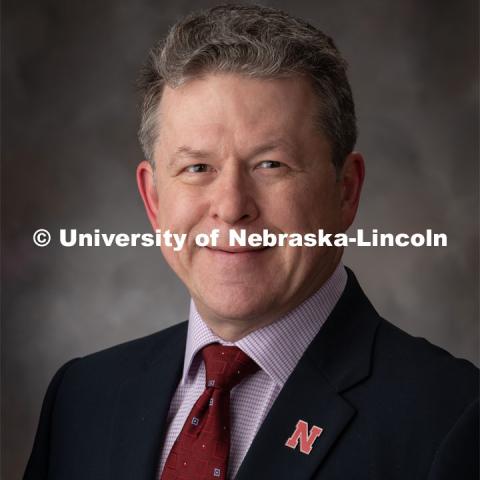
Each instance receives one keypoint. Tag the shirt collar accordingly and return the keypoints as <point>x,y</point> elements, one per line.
<point>277,347</point>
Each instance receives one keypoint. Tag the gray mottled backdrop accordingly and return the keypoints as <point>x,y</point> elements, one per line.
<point>70,151</point>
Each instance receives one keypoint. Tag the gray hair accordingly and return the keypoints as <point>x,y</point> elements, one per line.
<point>258,42</point>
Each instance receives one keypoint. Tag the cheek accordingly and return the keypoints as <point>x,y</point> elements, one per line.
<point>178,210</point>
<point>321,207</point>
<point>181,213</point>
<point>303,209</point>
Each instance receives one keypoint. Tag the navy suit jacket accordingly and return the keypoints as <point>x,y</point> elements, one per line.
<point>391,406</point>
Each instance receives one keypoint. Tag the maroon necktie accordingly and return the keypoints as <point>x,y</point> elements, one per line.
<point>201,450</point>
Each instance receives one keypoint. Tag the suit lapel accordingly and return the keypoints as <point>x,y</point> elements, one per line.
<point>336,360</point>
<point>141,410</point>
<point>306,396</point>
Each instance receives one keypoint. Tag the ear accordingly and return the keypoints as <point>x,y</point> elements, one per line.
<point>351,179</point>
<point>148,191</point>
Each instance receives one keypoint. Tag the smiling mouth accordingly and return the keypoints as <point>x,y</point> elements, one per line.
<point>237,250</point>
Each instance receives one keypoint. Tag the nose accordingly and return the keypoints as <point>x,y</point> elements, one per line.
<point>233,199</point>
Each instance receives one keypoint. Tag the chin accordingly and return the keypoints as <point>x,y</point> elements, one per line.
<point>235,303</point>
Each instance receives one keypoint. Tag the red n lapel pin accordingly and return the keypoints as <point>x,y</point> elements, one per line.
<point>304,437</point>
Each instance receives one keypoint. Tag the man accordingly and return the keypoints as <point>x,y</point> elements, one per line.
<point>284,369</point>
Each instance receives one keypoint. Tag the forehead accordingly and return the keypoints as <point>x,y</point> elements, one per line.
<point>237,109</point>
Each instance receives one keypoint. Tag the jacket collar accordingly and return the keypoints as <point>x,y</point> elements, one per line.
<point>342,350</point>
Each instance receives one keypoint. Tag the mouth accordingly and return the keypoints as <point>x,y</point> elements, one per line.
<point>237,250</point>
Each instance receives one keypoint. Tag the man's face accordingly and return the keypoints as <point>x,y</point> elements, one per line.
<point>235,152</point>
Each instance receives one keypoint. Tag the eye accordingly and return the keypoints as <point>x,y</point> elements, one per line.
<point>269,164</point>
<point>198,168</point>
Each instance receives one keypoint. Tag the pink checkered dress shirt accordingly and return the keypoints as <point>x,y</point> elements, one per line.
<point>276,348</point>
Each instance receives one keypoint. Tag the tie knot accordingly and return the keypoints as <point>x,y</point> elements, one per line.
<point>226,366</point>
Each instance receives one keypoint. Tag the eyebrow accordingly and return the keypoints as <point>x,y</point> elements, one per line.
<point>276,144</point>
<point>189,152</point>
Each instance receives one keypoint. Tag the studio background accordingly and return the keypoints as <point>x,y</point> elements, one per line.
<point>69,154</point>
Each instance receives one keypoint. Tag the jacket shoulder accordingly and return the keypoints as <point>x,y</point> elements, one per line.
<point>139,346</point>
<point>113,364</point>
<point>423,368</point>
